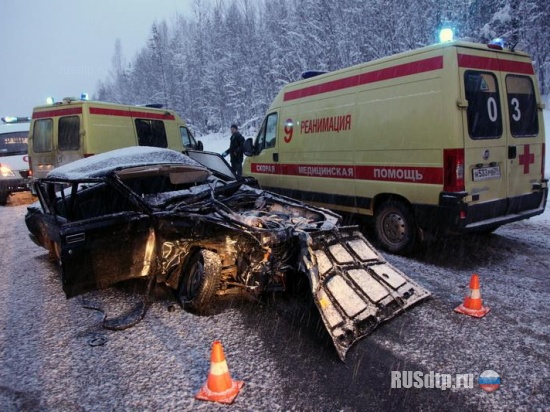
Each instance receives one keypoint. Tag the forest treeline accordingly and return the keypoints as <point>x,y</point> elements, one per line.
<point>224,62</point>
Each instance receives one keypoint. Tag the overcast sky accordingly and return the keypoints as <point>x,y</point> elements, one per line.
<point>62,48</point>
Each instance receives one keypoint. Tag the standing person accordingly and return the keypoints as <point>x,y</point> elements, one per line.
<point>236,150</point>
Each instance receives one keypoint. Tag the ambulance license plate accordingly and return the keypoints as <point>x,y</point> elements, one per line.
<point>486,173</point>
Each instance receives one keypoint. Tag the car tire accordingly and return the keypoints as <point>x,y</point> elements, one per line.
<point>199,281</point>
<point>4,198</point>
<point>395,227</point>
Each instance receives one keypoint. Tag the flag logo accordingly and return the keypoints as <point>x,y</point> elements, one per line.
<point>489,381</point>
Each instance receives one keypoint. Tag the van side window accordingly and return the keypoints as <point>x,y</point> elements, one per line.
<point>69,133</point>
<point>522,106</point>
<point>187,138</point>
<point>151,133</point>
<point>267,136</point>
<point>42,135</point>
<point>484,113</point>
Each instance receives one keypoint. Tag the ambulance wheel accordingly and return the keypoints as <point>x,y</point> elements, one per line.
<point>395,227</point>
<point>199,281</point>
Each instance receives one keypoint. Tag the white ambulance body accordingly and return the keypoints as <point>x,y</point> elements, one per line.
<point>444,139</point>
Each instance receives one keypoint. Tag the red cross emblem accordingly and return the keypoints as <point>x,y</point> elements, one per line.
<point>526,159</point>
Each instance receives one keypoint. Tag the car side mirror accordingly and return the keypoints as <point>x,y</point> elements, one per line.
<point>248,147</point>
<point>200,146</point>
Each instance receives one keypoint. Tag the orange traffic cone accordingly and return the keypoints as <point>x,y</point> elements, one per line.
<point>473,305</point>
<point>219,386</point>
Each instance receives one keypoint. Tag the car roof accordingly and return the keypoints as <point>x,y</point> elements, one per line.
<point>103,164</point>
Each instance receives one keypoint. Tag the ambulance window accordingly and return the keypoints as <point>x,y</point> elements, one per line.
<point>151,133</point>
<point>484,113</point>
<point>267,136</point>
<point>271,131</point>
<point>522,106</point>
<point>187,138</point>
<point>69,133</point>
<point>42,135</point>
<point>260,139</point>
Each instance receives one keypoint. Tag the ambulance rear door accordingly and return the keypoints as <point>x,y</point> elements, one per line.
<point>524,132</point>
<point>55,138</point>
<point>485,141</point>
<point>502,142</point>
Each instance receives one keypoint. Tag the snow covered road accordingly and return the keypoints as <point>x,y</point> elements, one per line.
<point>48,360</point>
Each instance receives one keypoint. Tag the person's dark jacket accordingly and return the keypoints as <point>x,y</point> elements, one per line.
<point>236,148</point>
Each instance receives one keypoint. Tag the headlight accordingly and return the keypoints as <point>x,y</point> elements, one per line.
<point>6,172</point>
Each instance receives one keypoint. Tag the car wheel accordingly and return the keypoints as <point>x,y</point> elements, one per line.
<point>395,227</point>
<point>3,198</point>
<point>199,281</point>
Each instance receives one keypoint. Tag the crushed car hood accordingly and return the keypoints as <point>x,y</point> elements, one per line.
<point>353,287</point>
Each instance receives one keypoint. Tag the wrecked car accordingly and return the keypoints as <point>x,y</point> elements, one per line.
<point>186,222</point>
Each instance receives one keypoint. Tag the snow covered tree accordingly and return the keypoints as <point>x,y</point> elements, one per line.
<point>226,62</point>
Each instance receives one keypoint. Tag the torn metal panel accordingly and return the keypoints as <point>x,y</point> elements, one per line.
<point>354,288</point>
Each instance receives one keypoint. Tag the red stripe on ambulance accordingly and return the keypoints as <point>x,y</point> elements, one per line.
<point>488,63</point>
<point>425,175</point>
<point>131,113</point>
<point>57,112</point>
<point>401,70</point>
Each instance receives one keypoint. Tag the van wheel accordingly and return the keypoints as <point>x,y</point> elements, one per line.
<point>395,227</point>
<point>199,281</point>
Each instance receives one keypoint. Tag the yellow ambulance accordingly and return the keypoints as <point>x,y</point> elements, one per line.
<point>72,129</point>
<point>444,139</point>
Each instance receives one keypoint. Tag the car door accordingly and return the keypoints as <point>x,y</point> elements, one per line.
<point>104,237</point>
<point>99,252</point>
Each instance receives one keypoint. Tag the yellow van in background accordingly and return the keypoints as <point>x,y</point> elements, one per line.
<point>72,129</point>
<point>444,139</point>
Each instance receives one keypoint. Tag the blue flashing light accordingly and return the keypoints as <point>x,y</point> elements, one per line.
<point>50,100</point>
<point>499,42</point>
<point>446,34</point>
<point>15,119</point>
<point>84,96</point>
